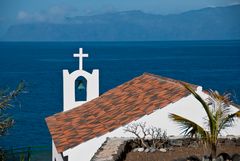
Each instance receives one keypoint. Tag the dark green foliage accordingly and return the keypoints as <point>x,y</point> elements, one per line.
<point>7,99</point>
<point>33,153</point>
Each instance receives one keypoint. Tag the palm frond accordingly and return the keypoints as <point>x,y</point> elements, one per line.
<point>5,124</point>
<point>237,114</point>
<point>225,98</point>
<point>218,110</point>
<point>189,127</point>
<point>204,104</point>
<point>228,121</point>
<point>5,100</point>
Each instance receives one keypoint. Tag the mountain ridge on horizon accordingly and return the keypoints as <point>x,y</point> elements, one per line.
<point>211,23</point>
<point>157,14</point>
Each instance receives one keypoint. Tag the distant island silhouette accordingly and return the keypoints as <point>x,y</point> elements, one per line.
<point>219,23</point>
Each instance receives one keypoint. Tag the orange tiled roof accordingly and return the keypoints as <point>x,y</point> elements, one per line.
<point>117,107</point>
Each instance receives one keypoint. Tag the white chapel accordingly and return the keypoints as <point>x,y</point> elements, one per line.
<point>87,120</point>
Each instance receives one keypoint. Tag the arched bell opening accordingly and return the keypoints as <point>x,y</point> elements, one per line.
<point>80,89</point>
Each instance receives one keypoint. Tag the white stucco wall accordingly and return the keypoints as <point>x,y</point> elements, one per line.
<point>55,154</point>
<point>188,107</point>
<point>69,87</point>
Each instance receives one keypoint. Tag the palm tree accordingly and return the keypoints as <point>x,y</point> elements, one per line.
<point>217,108</point>
<point>6,99</point>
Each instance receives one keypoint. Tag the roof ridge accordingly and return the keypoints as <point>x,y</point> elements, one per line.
<point>170,80</point>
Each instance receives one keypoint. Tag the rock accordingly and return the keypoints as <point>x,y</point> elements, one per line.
<point>180,159</point>
<point>193,145</point>
<point>163,150</point>
<point>111,149</point>
<point>140,149</point>
<point>193,158</point>
<point>238,142</point>
<point>135,150</point>
<point>223,157</point>
<point>147,150</point>
<point>178,143</point>
<point>206,158</point>
<point>236,157</point>
<point>221,140</point>
<point>170,149</point>
<point>220,158</point>
<point>229,142</point>
<point>230,136</point>
<point>152,150</point>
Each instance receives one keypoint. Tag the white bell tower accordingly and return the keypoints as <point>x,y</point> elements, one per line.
<point>69,84</point>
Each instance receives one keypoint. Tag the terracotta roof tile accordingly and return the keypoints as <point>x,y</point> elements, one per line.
<point>115,108</point>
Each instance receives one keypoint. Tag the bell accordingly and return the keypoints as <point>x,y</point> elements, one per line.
<point>80,86</point>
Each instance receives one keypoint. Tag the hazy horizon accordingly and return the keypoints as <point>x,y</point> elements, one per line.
<point>218,23</point>
<point>49,10</point>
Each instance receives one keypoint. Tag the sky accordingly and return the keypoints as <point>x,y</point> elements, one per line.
<point>20,11</point>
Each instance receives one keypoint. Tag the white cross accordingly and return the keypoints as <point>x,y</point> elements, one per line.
<point>81,55</point>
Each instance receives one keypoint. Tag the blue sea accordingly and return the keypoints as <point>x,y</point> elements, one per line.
<point>212,64</point>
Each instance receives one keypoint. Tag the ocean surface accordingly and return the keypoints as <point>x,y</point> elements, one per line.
<point>212,64</point>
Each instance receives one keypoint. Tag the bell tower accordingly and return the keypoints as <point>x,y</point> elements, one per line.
<point>79,82</point>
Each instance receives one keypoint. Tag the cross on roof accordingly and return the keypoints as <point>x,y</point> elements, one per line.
<point>81,55</point>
